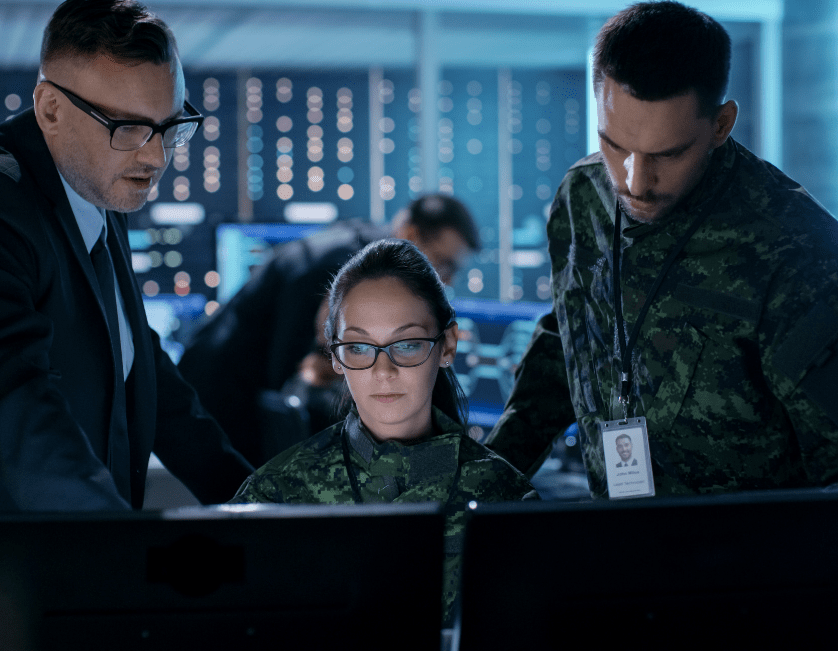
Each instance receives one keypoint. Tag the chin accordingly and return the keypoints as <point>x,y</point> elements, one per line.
<point>656,217</point>
<point>127,204</point>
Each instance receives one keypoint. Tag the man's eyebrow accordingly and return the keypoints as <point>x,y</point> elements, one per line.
<point>672,151</point>
<point>118,114</point>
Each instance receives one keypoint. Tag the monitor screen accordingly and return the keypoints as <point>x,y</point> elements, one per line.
<point>729,571</point>
<point>231,577</point>
<point>493,338</point>
<point>241,247</point>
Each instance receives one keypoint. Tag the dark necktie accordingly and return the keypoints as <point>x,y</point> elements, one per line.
<point>118,449</point>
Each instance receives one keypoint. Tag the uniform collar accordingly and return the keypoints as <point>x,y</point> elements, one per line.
<point>428,460</point>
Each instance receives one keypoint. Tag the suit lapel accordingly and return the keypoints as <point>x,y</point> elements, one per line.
<point>33,150</point>
<point>139,387</point>
<point>121,256</point>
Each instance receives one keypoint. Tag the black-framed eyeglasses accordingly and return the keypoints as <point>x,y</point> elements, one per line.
<point>130,135</point>
<point>357,356</point>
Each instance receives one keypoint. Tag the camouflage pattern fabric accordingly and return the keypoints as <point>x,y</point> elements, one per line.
<point>449,468</point>
<point>736,363</point>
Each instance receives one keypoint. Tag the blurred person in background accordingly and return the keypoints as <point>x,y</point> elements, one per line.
<point>241,360</point>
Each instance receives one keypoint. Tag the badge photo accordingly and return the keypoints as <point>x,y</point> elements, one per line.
<point>628,464</point>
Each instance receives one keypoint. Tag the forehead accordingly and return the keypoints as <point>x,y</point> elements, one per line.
<point>381,305</point>
<point>127,91</point>
<point>647,127</point>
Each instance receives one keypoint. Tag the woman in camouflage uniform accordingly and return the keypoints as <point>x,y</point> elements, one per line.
<point>404,438</point>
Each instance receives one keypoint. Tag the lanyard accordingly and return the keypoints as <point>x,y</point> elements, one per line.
<point>626,349</point>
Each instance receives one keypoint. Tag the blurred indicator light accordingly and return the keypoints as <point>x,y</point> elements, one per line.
<point>212,279</point>
<point>13,102</point>
<point>177,213</point>
<point>310,213</point>
<point>140,262</point>
<point>151,288</point>
<point>173,259</point>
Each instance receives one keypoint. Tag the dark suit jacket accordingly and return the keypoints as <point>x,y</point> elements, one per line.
<point>622,464</point>
<point>57,371</point>
<point>255,342</point>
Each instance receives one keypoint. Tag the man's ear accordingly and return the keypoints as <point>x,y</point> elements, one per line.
<point>724,122</point>
<point>48,108</point>
<point>449,346</point>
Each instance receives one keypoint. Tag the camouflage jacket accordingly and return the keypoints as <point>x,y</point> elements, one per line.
<point>448,467</point>
<point>737,358</point>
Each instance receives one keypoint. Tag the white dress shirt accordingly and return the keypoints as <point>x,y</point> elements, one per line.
<point>91,221</point>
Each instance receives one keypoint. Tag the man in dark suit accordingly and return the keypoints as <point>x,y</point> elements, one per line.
<point>86,393</point>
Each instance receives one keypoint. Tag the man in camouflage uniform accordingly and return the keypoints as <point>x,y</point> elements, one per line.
<point>344,464</point>
<point>735,362</point>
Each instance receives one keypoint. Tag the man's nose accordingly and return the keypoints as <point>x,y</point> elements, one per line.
<point>640,174</point>
<point>153,153</point>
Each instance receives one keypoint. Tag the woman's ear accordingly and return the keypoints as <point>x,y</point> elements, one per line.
<point>336,365</point>
<point>449,346</point>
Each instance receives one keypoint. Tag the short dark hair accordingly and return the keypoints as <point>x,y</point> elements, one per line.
<point>122,29</point>
<point>622,436</point>
<point>433,212</point>
<point>401,260</point>
<point>661,50</point>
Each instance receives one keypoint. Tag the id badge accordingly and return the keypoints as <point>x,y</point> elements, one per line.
<point>628,464</point>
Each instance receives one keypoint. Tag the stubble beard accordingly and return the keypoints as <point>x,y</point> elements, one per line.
<point>88,190</point>
<point>667,202</point>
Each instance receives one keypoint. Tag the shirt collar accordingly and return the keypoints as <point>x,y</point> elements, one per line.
<point>91,220</point>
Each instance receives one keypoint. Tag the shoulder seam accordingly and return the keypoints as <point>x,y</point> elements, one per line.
<point>9,165</point>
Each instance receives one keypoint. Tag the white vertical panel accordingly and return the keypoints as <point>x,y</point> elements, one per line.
<point>245,202</point>
<point>377,213</point>
<point>770,93</point>
<point>505,214</point>
<point>590,105</point>
<point>429,75</point>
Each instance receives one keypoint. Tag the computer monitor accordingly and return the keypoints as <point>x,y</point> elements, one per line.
<point>241,247</point>
<point>493,338</point>
<point>730,571</point>
<point>244,577</point>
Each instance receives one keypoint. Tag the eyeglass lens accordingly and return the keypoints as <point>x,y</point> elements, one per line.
<point>410,352</point>
<point>134,136</point>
